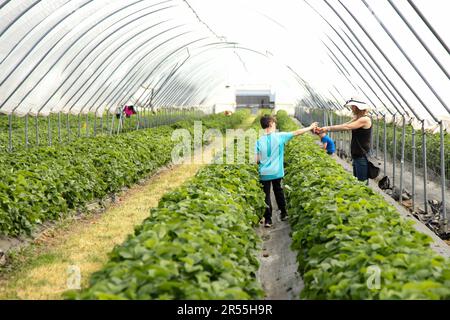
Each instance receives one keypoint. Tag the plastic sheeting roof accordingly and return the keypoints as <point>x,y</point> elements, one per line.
<point>95,55</point>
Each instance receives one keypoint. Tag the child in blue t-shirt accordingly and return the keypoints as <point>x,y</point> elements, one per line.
<point>270,159</point>
<point>327,142</point>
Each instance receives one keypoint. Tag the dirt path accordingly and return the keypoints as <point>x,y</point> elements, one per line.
<point>278,270</point>
<point>42,270</point>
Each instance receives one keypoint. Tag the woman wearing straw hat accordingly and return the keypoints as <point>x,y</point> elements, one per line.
<point>361,126</point>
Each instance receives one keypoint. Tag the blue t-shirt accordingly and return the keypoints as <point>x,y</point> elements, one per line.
<point>270,149</point>
<point>331,148</point>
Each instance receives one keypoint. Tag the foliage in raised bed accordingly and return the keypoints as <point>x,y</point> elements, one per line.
<point>42,184</point>
<point>199,243</point>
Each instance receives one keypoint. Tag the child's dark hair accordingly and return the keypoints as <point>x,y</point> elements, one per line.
<point>266,121</point>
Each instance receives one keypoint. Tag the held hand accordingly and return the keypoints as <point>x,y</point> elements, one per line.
<point>313,125</point>
<point>322,130</point>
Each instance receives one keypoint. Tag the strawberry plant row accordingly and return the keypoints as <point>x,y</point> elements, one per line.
<point>45,183</point>
<point>199,243</point>
<point>351,243</point>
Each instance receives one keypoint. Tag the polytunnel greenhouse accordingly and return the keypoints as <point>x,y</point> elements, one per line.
<point>224,150</point>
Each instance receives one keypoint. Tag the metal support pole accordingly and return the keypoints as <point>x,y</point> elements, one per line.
<point>68,127</point>
<point>444,211</point>
<point>385,147</point>
<point>158,117</point>
<point>378,136</point>
<point>49,130</point>
<point>419,38</point>
<point>341,135</point>
<point>144,118</point>
<point>425,173</point>
<point>158,113</point>
<point>349,144</point>
<point>391,64</point>
<point>59,127</point>
<point>371,137</point>
<point>37,129</point>
<point>151,116</point>
<point>95,125</point>
<point>331,123</point>
<point>402,160</point>
<point>10,147</point>
<point>413,175</point>
<point>112,124</point>
<point>434,32</point>
<point>338,134</point>
<point>79,126</point>
<point>26,130</point>
<point>137,118</point>
<point>410,60</point>
<point>107,123</point>
<point>120,125</point>
<point>394,158</point>
<point>87,124</point>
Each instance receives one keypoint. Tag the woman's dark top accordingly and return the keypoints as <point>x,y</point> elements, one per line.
<point>362,136</point>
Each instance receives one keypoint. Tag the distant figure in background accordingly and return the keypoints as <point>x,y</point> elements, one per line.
<point>118,112</point>
<point>327,142</point>
<point>129,111</point>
